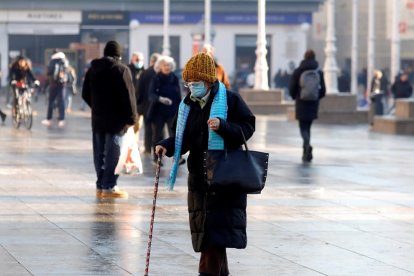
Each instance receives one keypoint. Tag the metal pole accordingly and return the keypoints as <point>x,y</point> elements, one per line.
<point>4,53</point>
<point>261,68</point>
<point>166,39</point>
<point>354,54</point>
<point>330,67</point>
<point>133,34</point>
<point>371,43</point>
<point>207,22</point>
<point>395,39</point>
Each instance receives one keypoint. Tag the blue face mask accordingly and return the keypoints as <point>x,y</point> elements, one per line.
<point>198,89</point>
<point>138,64</point>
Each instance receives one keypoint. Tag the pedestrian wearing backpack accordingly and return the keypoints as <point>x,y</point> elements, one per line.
<point>307,87</point>
<point>57,79</point>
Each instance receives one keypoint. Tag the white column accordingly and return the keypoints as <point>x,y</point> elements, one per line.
<point>4,52</point>
<point>330,67</point>
<point>395,39</point>
<point>166,33</point>
<point>207,22</point>
<point>354,46</point>
<point>371,43</point>
<point>261,68</point>
<point>134,42</point>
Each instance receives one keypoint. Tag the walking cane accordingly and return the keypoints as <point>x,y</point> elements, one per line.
<point>154,202</point>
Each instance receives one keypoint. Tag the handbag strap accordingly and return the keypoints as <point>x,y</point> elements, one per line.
<point>244,142</point>
<point>244,138</point>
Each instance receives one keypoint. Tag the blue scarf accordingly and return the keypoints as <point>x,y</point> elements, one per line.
<point>218,110</point>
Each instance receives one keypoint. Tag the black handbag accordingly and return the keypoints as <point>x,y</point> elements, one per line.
<point>242,171</point>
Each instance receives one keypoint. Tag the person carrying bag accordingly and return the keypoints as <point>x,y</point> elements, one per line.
<point>210,117</point>
<point>242,171</point>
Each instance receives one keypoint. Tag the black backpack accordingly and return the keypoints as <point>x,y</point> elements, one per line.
<point>310,85</point>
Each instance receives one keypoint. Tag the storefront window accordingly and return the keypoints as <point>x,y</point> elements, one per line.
<point>34,46</point>
<point>246,58</point>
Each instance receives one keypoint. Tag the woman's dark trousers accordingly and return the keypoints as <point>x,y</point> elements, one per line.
<point>305,132</point>
<point>213,261</point>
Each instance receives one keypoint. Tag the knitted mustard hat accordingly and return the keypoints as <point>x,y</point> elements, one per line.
<point>200,67</point>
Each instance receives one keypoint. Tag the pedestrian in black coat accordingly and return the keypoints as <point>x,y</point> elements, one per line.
<point>217,219</point>
<point>109,91</point>
<point>144,82</point>
<point>402,88</point>
<point>306,111</point>
<point>136,66</point>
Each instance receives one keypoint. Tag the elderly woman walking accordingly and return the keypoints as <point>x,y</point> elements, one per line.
<point>209,117</point>
<point>164,95</point>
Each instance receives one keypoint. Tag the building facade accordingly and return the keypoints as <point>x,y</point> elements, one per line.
<point>382,34</point>
<point>35,27</point>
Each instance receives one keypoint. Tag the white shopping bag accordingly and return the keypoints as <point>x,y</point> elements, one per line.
<point>129,162</point>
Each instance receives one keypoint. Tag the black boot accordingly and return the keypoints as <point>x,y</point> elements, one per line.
<point>307,154</point>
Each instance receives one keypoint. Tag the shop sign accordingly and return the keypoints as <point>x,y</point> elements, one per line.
<point>44,16</point>
<point>105,18</point>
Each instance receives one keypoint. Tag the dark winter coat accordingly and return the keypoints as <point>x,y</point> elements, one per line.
<point>109,91</point>
<point>305,110</point>
<point>402,89</point>
<point>216,219</point>
<point>144,82</point>
<point>163,86</point>
<point>19,74</point>
<point>135,74</point>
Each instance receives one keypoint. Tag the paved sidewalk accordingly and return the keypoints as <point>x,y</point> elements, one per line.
<point>351,212</point>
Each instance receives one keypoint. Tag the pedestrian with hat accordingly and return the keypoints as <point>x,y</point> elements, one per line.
<point>209,117</point>
<point>109,91</point>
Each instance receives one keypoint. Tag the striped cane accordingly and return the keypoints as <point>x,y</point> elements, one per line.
<point>154,202</point>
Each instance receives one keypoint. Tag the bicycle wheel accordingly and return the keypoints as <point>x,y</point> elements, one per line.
<point>28,115</point>
<point>15,117</point>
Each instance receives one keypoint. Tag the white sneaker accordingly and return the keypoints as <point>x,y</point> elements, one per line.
<point>47,123</point>
<point>61,124</point>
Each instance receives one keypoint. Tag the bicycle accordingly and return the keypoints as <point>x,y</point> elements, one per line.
<point>22,109</point>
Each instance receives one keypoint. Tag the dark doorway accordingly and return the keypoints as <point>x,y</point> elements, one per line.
<point>246,59</point>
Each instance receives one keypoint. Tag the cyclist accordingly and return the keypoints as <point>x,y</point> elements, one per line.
<point>21,76</point>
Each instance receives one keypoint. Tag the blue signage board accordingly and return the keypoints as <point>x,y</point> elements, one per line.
<point>271,18</point>
<point>222,18</point>
<point>157,17</point>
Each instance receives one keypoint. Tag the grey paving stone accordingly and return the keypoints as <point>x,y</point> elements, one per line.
<point>350,212</point>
